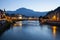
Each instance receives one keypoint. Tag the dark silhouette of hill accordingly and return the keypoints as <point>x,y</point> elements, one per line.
<point>57,9</point>
<point>55,12</point>
<point>27,12</point>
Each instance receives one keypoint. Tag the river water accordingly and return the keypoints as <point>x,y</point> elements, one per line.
<point>31,30</point>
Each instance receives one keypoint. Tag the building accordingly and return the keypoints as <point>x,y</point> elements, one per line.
<point>2,14</point>
<point>54,15</point>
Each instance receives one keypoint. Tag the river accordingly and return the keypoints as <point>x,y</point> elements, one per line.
<point>31,30</point>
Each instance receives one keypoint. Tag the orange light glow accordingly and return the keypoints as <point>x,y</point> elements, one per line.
<point>54,31</point>
<point>54,17</point>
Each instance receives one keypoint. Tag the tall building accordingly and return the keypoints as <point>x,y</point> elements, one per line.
<point>2,13</point>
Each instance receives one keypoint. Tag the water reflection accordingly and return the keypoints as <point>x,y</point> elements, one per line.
<point>56,32</point>
<point>4,27</point>
<point>31,30</point>
<point>54,29</point>
<point>18,24</point>
<point>26,23</point>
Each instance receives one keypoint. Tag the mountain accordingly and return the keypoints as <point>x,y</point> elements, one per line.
<point>27,12</point>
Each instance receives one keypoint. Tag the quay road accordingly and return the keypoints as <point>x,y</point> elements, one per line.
<point>18,19</point>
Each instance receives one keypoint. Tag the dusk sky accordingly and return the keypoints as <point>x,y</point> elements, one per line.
<point>36,5</point>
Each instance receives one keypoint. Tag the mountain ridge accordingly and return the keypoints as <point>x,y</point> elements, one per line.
<point>27,12</point>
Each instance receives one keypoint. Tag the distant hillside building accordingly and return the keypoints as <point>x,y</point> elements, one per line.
<point>2,13</point>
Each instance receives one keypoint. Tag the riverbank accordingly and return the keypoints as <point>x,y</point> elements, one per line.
<point>53,23</point>
<point>4,25</point>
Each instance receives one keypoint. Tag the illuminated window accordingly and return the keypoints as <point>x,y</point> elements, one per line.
<point>54,17</point>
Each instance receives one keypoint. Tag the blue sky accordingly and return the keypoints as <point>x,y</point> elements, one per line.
<point>36,5</point>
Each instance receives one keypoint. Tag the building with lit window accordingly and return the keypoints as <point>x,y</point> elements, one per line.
<point>54,15</point>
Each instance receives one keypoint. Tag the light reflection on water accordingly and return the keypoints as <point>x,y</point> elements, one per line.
<point>18,24</point>
<point>30,30</point>
<point>54,30</point>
